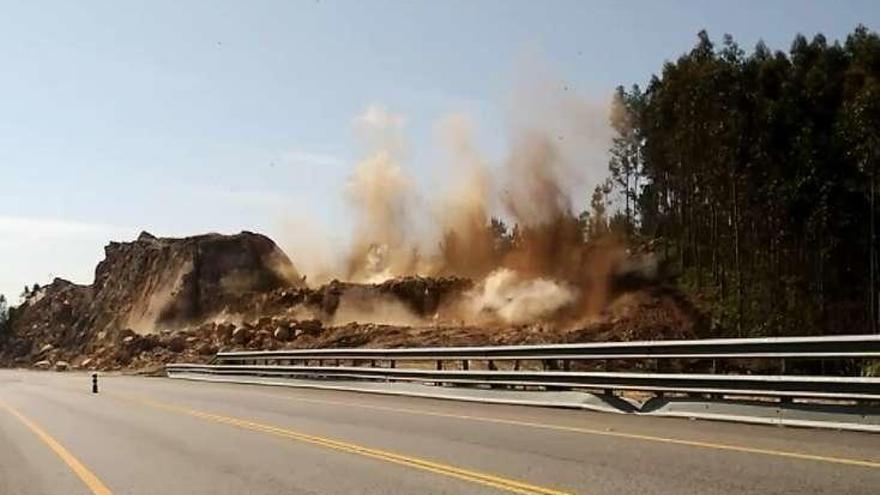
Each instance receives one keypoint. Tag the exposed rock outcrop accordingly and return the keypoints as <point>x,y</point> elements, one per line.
<point>146,285</point>
<point>156,300</point>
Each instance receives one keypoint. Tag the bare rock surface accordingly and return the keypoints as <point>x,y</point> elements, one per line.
<point>158,300</point>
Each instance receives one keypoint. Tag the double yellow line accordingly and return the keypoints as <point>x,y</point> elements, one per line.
<point>99,488</point>
<point>874,464</point>
<point>500,483</point>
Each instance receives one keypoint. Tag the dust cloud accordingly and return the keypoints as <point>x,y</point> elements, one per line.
<point>540,268</point>
<point>515,299</point>
<point>317,257</point>
<point>381,310</point>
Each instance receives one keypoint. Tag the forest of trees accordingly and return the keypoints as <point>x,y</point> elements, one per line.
<point>4,314</point>
<point>757,175</point>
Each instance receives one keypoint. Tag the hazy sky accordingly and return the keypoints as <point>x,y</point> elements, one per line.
<point>191,116</point>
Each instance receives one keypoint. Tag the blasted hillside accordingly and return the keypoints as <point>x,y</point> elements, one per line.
<point>491,253</point>
<point>156,300</point>
<point>141,287</point>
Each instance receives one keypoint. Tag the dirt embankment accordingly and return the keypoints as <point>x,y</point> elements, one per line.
<point>142,287</point>
<point>160,300</point>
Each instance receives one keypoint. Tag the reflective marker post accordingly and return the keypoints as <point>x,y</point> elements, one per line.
<point>94,383</point>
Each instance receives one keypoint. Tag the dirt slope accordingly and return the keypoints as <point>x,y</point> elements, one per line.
<point>159,300</point>
<point>142,286</point>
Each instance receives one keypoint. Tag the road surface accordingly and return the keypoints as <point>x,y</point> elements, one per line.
<point>161,436</point>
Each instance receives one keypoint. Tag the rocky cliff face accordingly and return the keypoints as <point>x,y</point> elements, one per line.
<point>144,286</point>
<point>170,282</point>
<point>157,300</point>
<point>52,317</point>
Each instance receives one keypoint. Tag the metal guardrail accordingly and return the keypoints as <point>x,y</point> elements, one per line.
<point>845,346</point>
<point>284,364</point>
<point>781,386</point>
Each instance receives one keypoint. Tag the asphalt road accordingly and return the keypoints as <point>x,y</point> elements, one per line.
<point>161,436</point>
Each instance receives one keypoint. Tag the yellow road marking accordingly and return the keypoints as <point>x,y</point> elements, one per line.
<point>87,477</point>
<point>413,462</point>
<point>591,431</point>
<point>875,464</point>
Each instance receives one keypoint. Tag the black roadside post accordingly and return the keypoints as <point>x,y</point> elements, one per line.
<point>94,383</point>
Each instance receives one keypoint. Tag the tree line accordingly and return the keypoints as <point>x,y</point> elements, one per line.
<point>4,315</point>
<point>757,174</point>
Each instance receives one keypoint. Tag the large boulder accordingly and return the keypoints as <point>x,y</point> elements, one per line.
<point>206,349</point>
<point>308,327</point>
<point>166,281</point>
<point>176,343</point>
<point>240,335</point>
<point>282,333</point>
<point>223,332</point>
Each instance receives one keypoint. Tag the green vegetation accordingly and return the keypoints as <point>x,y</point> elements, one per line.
<point>4,314</point>
<point>758,175</point>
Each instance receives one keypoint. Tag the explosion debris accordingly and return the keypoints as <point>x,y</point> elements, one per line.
<point>543,269</point>
<point>419,270</point>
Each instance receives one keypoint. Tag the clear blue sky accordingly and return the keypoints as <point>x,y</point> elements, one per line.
<point>185,117</point>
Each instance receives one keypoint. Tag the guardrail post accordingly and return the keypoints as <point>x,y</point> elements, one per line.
<point>831,354</point>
